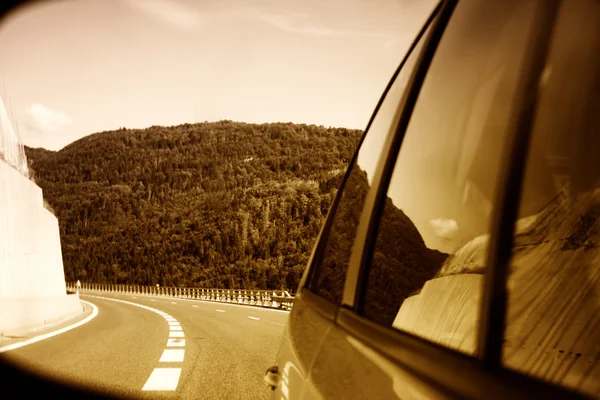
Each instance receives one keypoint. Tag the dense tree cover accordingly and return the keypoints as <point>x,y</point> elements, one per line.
<point>224,205</point>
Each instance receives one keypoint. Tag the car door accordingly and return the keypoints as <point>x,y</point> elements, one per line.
<point>414,317</point>
<point>320,290</point>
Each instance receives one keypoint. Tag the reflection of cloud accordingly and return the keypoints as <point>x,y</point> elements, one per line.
<point>42,119</point>
<point>169,11</point>
<point>444,228</point>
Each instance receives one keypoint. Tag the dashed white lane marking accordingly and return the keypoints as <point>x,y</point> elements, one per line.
<point>173,323</point>
<point>176,334</point>
<point>173,302</point>
<point>175,342</point>
<point>170,319</point>
<point>57,332</point>
<point>195,306</point>
<point>163,379</point>
<point>172,355</point>
<point>220,310</point>
<point>255,318</point>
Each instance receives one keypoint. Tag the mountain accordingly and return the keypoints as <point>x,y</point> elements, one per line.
<point>222,205</point>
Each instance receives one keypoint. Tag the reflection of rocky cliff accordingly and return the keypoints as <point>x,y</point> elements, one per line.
<point>567,223</point>
<point>553,321</point>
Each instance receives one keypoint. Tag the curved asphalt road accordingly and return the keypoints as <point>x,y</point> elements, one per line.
<point>227,348</point>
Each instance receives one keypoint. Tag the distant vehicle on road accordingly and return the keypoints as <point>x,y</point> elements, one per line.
<point>460,258</point>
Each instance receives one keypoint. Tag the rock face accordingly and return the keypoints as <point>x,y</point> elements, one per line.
<point>554,305</point>
<point>30,252</point>
<point>32,280</point>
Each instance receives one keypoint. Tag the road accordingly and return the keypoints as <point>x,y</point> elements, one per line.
<point>226,349</point>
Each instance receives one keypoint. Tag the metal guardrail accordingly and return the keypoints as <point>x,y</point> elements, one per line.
<point>280,299</point>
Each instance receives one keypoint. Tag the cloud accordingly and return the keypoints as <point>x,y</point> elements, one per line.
<point>42,119</point>
<point>444,228</point>
<point>169,11</point>
<point>296,23</point>
<point>305,24</point>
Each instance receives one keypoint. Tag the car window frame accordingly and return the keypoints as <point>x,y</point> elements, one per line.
<point>309,282</point>
<point>426,358</point>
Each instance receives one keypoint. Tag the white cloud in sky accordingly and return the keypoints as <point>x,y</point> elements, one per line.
<point>172,12</point>
<point>306,24</point>
<point>444,228</point>
<point>42,119</point>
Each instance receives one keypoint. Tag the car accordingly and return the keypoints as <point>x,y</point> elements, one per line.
<point>460,257</point>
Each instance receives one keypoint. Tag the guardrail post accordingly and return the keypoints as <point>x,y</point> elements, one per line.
<point>260,298</point>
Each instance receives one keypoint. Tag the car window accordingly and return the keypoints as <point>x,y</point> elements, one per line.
<point>426,270</point>
<point>336,255</point>
<point>553,317</point>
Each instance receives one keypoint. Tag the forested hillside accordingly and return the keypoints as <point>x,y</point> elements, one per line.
<point>225,204</point>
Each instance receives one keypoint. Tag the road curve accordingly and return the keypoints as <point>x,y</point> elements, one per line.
<point>226,350</point>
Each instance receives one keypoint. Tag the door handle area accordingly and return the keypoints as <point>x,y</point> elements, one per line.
<point>272,377</point>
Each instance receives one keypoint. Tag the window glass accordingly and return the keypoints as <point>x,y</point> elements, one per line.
<point>330,281</point>
<point>553,320</point>
<point>426,271</point>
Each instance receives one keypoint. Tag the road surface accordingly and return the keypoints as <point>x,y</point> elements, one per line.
<point>225,348</point>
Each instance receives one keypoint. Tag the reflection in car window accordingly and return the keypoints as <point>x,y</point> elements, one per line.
<point>343,226</point>
<point>427,265</point>
<point>553,320</point>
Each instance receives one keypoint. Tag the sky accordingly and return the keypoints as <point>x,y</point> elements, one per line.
<point>72,68</point>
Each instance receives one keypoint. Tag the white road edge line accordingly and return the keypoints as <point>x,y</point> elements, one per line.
<point>54,333</point>
<point>220,310</point>
<point>256,318</point>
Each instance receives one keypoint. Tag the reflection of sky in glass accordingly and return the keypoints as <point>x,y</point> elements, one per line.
<point>373,144</point>
<point>447,169</point>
